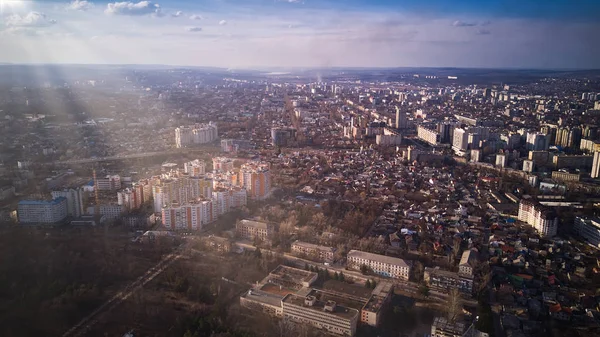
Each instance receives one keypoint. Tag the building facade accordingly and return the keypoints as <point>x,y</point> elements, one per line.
<point>588,228</point>
<point>255,177</point>
<point>322,253</point>
<point>196,134</point>
<point>250,229</point>
<point>380,264</point>
<point>541,218</point>
<point>74,198</point>
<point>41,211</point>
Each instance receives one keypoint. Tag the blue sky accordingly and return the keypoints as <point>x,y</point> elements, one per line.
<point>304,33</point>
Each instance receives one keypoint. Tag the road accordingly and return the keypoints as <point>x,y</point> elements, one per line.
<point>85,324</point>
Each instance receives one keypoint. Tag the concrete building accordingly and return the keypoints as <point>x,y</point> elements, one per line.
<point>42,211</point>
<point>109,183</point>
<point>222,164</point>
<point>250,229</point>
<point>588,228</point>
<point>383,265</point>
<point>74,198</point>
<point>475,156</point>
<point>226,199</point>
<point>572,162</point>
<point>467,262</point>
<point>322,253</point>
<point>196,134</point>
<point>195,168</point>
<point>565,176</point>
<point>536,141</point>
<point>191,216</point>
<point>108,211</point>
<point>428,135</point>
<point>388,139</point>
<point>255,177</point>
<point>401,119</point>
<point>371,312</point>
<point>445,281</point>
<point>322,314</point>
<point>528,166</point>
<point>501,160</point>
<point>596,165</point>
<point>543,219</point>
<point>282,136</point>
<point>441,327</point>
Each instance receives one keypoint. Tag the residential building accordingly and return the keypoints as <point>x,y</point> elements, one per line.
<point>108,211</point>
<point>282,136</point>
<point>588,228</point>
<point>501,160</point>
<point>74,198</point>
<point>596,165</point>
<point>322,314</point>
<point>401,119</point>
<point>109,183</point>
<point>222,164</point>
<point>543,219</point>
<point>251,229</point>
<point>383,265</point>
<point>572,161</point>
<point>196,134</point>
<point>536,141</point>
<point>566,176</point>
<point>195,168</point>
<point>191,216</point>
<point>42,211</point>
<point>428,135</point>
<point>255,177</point>
<point>371,312</point>
<point>226,199</point>
<point>322,253</point>
<point>467,262</point>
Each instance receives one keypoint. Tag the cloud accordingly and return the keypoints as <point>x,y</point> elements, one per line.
<point>483,32</point>
<point>177,14</point>
<point>486,23</point>
<point>133,9</point>
<point>194,29</point>
<point>32,19</point>
<point>196,17</point>
<point>222,22</point>
<point>80,5</point>
<point>459,23</point>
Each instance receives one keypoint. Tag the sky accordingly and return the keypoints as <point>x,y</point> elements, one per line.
<point>251,34</point>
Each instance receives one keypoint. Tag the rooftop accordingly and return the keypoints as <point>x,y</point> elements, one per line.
<point>253,223</point>
<point>339,310</point>
<point>42,202</point>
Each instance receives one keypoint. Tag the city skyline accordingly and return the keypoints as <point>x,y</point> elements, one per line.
<point>296,33</point>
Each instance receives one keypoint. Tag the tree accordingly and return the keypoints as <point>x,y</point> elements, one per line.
<point>364,269</point>
<point>306,266</point>
<point>342,278</point>
<point>336,276</point>
<point>424,291</point>
<point>257,253</point>
<point>373,284</point>
<point>368,284</point>
<point>454,305</point>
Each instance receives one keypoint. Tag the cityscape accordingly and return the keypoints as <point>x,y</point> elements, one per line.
<point>168,197</point>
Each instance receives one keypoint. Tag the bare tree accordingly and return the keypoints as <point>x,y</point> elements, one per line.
<point>454,305</point>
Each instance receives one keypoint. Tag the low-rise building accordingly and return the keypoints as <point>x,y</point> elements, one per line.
<point>322,314</point>
<point>380,264</point>
<point>322,253</point>
<point>467,262</point>
<point>370,313</point>
<point>565,176</point>
<point>445,281</point>
<point>251,229</point>
<point>442,327</point>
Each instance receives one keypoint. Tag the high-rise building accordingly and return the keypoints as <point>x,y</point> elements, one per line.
<point>588,228</point>
<point>460,140</point>
<point>196,134</point>
<point>537,141</point>
<point>195,168</point>
<point>428,135</point>
<point>256,178</point>
<point>282,136</point>
<point>42,211</point>
<point>109,183</point>
<point>191,216</point>
<point>596,165</point>
<point>222,164</point>
<point>74,198</point>
<point>401,120</point>
<point>543,219</point>
<point>226,199</point>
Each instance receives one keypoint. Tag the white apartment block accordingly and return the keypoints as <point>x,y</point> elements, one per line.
<point>541,218</point>
<point>74,198</point>
<point>191,216</point>
<point>383,265</point>
<point>588,229</point>
<point>195,168</point>
<point>427,135</point>
<point>196,134</point>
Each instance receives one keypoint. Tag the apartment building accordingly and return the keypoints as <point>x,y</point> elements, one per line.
<point>322,253</point>
<point>543,219</point>
<point>74,198</point>
<point>428,135</point>
<point>588,228</point>
<point>191,216</point>
<point>383,265</point>
<point>255,177</point>
<point>445,281</point>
